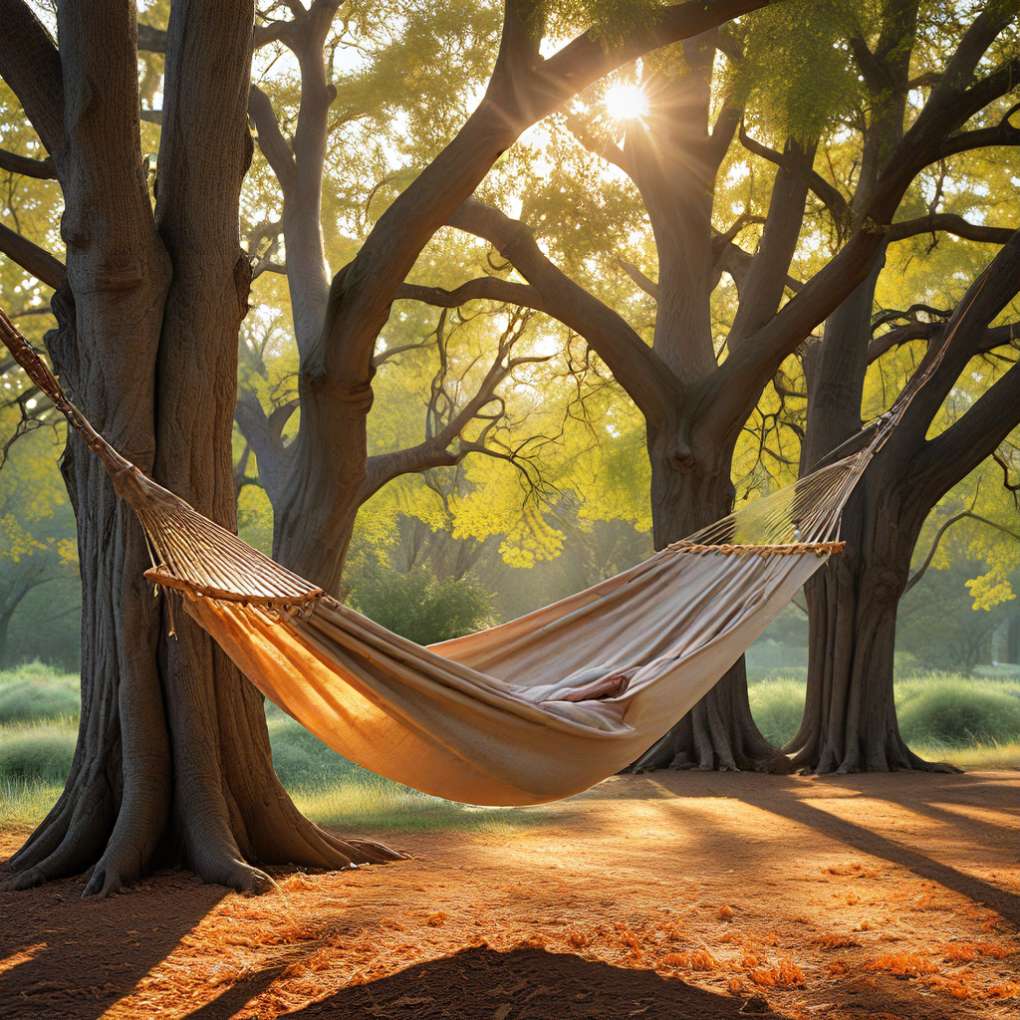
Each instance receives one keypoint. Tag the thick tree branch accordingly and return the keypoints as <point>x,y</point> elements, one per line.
<point>635,366</point>
<point>737,262</point>
<point>951,455</point>
<point>274,146</point>
<point>765,282</point>
<point>42,169</point>
<point>30,64</point>
<point>1003,133</point>
<point>649,286</point>
<point>489,288</point>
<point>33,259</point>
<point>950,223</point>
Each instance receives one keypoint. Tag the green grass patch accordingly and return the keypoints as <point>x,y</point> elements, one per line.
<point>23,805</point>
<point>34,692</point>
<point>377,803</point>
<point>977,756</point>
<point>37,752</point>
<point>973,715</point>
<point>777,705</point>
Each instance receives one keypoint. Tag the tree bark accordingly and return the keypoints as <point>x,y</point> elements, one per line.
<point>850,717</point>
<point>849,722</point>
<point>105,348</point>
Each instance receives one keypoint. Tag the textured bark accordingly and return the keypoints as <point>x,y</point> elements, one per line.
<point>173,761</point>
<point>849,722</point>
<point>105,349</point>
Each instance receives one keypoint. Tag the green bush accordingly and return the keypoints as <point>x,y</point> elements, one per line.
<point>37,753</point>
<point>956,712</point>
<point>417,605</point>
<point>777,706</point>
<point>34,692</point>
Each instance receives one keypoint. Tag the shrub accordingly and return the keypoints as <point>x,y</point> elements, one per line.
<point>958,712</point>
<point>34,692</point>
<point>777,706</point>
<point>36,753</point>
<point>417,605</point>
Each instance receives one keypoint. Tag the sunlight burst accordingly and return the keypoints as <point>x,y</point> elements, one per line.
<point>626,102</point>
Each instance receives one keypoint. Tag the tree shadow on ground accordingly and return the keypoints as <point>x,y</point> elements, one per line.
<point>789,798</point>
<point>61,956</point>
<point>524,984</point>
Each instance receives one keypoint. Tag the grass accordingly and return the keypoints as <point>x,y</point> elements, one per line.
<point>966,720</point>
<point>972,722</point>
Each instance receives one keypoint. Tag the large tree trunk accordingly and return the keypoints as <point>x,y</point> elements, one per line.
<point>173,761</point>
<point>314,519</point>
<point>849,722</point>
<point>719,732</point>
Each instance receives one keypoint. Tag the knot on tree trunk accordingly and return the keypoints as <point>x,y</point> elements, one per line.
<point>885,586</point>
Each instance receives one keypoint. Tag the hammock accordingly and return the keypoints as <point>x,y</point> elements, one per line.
<point>530,711</point>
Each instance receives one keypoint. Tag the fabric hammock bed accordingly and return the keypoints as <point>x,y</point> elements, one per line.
<point>522,713</point>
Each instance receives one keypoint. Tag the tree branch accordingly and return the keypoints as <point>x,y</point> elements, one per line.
<point>33,259</point>
<point>955,519</point>
<point>30,64</point>
<point>489,288</point>
<point>649,286</point>
<point>634,364</point>
<point>274,146</point>
<point>950,223</point>
<point>42,169</point>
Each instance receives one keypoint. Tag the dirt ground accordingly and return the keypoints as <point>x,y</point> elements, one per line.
<point>664,896</point>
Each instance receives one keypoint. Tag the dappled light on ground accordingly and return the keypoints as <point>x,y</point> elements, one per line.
<point>676,895</point>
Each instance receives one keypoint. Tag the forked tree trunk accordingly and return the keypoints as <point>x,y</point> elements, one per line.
<point>173,762</point>
<point>719,732</point>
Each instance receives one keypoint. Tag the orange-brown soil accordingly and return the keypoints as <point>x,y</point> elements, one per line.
<point>672,895</point>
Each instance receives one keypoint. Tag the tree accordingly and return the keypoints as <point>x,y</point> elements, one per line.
<point>173,749</point>
<point>850,716</point>
<point>850,721</point>
<point>696,391</point>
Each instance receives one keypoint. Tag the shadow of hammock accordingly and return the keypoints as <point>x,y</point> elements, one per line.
<point>523,984</point>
